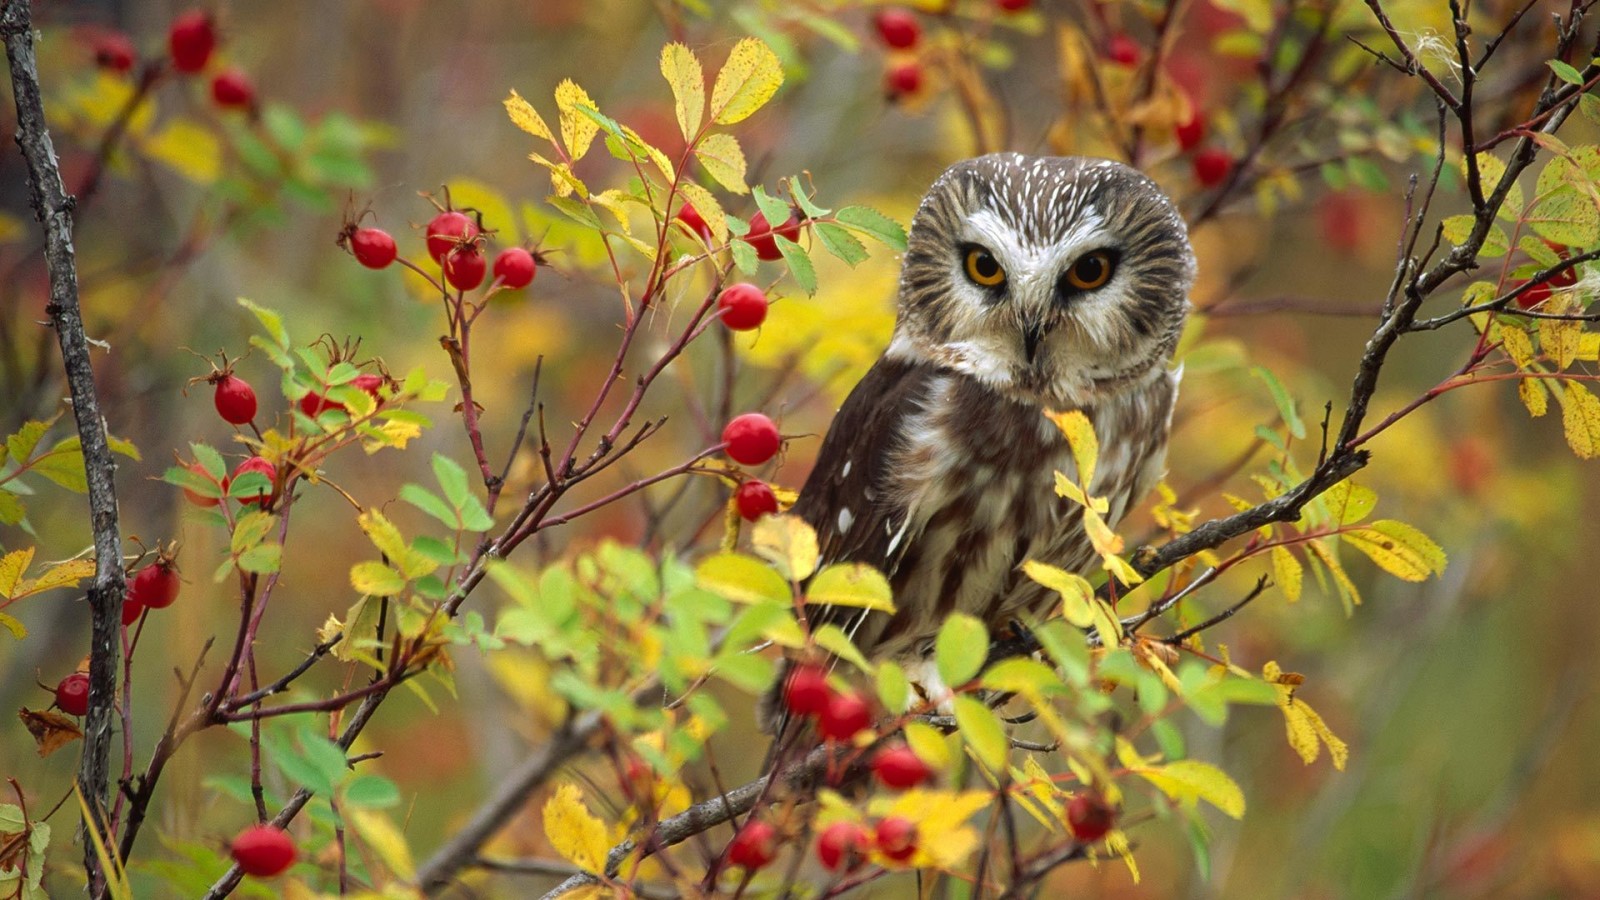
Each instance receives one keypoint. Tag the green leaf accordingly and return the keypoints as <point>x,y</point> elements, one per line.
<point>799,262</point>
<point>1281,397</point>
<point>428,502</point>
<point>775,211</point>
<point>1564,71</point>
<point>742,579</point>
<point>262,559</point>
<point>807,206</point>
<point>20,445</point>
<point>960,649</point>
<point>1022,675</point>
<point>269,320</point>
<point>452,478</point>
<point>841,243</point>
<point>682,70</point>
<point>372,792</point>
<point>874,224</point>
<point>63,464</point>
<point>856,585</point>
<point>251,529</point>
<point>983,733</point>
<point>894,690</point>
<point>747,81</point>
<point>833,639</point>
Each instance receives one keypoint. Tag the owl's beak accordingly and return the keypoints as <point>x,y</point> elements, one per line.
<point>1032,335</point>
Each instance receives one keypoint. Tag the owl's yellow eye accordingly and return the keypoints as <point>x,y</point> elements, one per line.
<point>984,269</point>
<point>1090,271</point>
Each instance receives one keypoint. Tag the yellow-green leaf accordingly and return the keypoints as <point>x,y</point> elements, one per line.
<point>1288,572</point>
<point>723,158</point>
<point>747,81</point>
<point>682,70</point>
<point>376,579</point>
<point>574,832</point>
<point>187,148</point>
<point>385,839</point>
<point>856,585</point>
<point>983,733</point>
<point>788,543</point>
<point>960,649</point>
<point>929,743</point>
<point>1348,502</point>
<point>709,209</point>
<point>16,628</point>
<point>1580,418</point>
<point>833,639</point>
<point>577,129</point>
<point>1079,432</point>
<point>1077,595</point>
<point>251,529</point>
<point>1348,595</point>
<point>524,116</point>
<point>1398,549</point>
<point>742,579</point>
<point>1188,781</point>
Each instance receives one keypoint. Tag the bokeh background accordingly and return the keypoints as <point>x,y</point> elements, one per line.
<point>1468,701</point>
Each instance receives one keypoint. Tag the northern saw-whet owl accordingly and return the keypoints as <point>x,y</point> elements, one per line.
<point>1028,284</point>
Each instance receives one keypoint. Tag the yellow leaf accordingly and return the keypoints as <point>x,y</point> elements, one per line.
<point>851,584</point>
<point>723,158</point>
<point>742,579</point>
<point>187,148</point>
<point>612,200</point>
<point>1117,843</point>
<point>1531,391</point>
<point>1589,346</point>
<point>574,832</point>
<point>788,543</point>
<point>11,228</point>
<point>376,579</point>
<point>1188,781</point>
<point>1348,594</point>
<point>1077,595</point>
<point>12,565</point>
<point>1517,345</point>
<point>577,129</point>
<point>66,574</point>
<point>982,732</point>
<point>524,116</point>
<point>1288,571</point>
<point>383,534</point>
<point>747,81</point>
<point>1107,624</point>
<point>384,838</point>
<point>709,209</point>
<point>1079,432</point>
<point>1560,340</point>
<point>1399,549</point>
<point>1580,418</point>
<point>490,202</point>
<point>17,629</point>
<point>944,838</point>
<point>681,68</point>
<point>1306,731</point>
<point>929,743</point>
<point>1349,502</point>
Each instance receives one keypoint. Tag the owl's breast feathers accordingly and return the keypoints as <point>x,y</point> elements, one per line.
<point>946,485</point>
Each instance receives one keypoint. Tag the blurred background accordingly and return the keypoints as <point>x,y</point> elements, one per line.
<point>1468,701</point>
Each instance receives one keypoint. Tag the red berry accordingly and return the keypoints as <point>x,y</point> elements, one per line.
<point>263,850</point>
<point>373,247</point>
<point>754,846</point>
<point>843,845</point>
<point>898,28</point>
<point>515,267</point>
<point>314,404</point>
<point>232,90</point>
<point>114,52</point>
<point>897,838</point>
<point>760,236</point>
<point>743,306</point>
<point>845,716</point>
<point>1191,133</point>
<point>155,586</point>
<point>1211,166</point>
<point>130,611</point>
<point>806,693</point>
<point>370,383</point>
<point>235,400</point>
<point>752,439</point>
<point>201,499</point>
<point>695,222</point>
<point>72,694</point>
<point>755,499</point>
<point>1013,5</point>
<point>256,464</point>
<point>191,39</point>
<point>1089,817</point>
<point>465,267</point>
<point>899,767</point>
<point>1122,50</point>
<point>903,78</point>
<point>447,231</point>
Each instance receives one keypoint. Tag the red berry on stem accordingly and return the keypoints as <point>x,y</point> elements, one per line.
<point>314,404</point>
<point>259,465</point>
<point>842,845</point>
<point>1123,50</point>
<point>155,586</point>
<point>903,78</point>
<point>235,400</point>
<point>1211,166</point>
<point>752,439</point>
<point>447,231</point>
<point>1089,817</point>
<point>695,222</point>
<point>845,716</point>
<point>898,28</point>
<point>191,39</point>
<point>373,247</point>
<point>370,383</point>
<point>755,499</point>
<point>897,838</point>
<point>1192,132</point>
<point>72,694</point>
<point>130,611</point>
<point>743,306</point>
<point>806,693</point>
<point>899,767</point>
<point>515,267</point>
<point>754,846</point>
<point>760,236</point>
<point>114,52</point>
<point>232,90</point>
<point>263,850</point>
<point>465,267</point>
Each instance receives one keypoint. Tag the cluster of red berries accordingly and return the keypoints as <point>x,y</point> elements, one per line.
<point>191,44</point>
<point>455,241</point>
<point>901,32</point>
<point>263,850</point>
<point>840,715</point>
<point>751,439</point>
<point>760,235</point>
<point>841,847</point>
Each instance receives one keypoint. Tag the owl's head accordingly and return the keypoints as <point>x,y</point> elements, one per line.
<point>1053,278</point>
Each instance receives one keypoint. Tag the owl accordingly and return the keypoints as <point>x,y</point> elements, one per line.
<point>1028,284</point>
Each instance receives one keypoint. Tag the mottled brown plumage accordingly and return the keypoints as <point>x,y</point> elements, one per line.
<point>939,466</point>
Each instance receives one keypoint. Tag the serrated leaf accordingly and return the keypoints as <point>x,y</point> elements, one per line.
<point>375,579</point>
<point>1189,781</point>
<point>874,224</point>
<point>1560,341</point>
<point>723,159</point>
<point>841,243</point>
<point>742,579</point>
<point>799,262</point>
<point>428,502</point>
<point>383,534</point>
<point>747,81</point>
<point>1532,393</point>
<point>682,70</point>
<point>856,585</point>
<point>524,116</point>
<point>1580,419</point>
<point>250,529</point>
<point>709,209</point>
<point>577,129</point>
<point>575,833</point>
<point>788,543</point>
<point>20,445</point>
<point>960,649</point>
<point>982,732</point>
<point>270,320</point>
<point>1490,171</point>
<point>64,466</point>
<point>1287,572</point>
<point>1348,502</point>
<point>1399,549</point>
<point>12,566</point>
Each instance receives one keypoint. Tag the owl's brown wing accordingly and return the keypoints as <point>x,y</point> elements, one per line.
<point>850,498</point>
